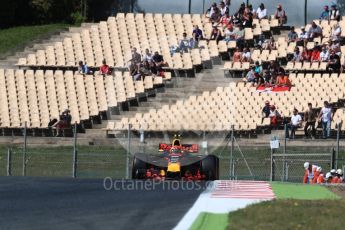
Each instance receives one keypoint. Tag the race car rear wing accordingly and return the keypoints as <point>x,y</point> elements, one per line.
<point>190,148</point>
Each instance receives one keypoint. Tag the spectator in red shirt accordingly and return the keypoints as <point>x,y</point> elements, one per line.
<point>315,55</point>
<point>306,54</point>
<point>104,69</point>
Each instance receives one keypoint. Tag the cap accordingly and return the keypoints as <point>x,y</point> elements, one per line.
<point>328,175</point>
<point>319,169</point>
<point>333,171</point>
<point>306,165</point>
<point>340,172</point>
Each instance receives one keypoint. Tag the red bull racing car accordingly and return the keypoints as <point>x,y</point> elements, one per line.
<point>176,161</point>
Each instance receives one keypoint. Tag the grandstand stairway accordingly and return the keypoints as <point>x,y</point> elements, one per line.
<point>180,88</point>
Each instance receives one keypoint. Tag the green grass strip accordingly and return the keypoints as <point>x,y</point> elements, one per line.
<point>12,37</point>
<point>210,221</point>
<point>302,192</point>
<point>290,214</point>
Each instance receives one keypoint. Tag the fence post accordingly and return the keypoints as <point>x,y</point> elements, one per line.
<point>272,166</point>
<point>338,147</point>
<point>9,162</point>
<point>231,169</point>
<point>333,159</point>
<point>24,149</point>
<point>128,150</point>
<point>284,151</point>
<point>75,151</point>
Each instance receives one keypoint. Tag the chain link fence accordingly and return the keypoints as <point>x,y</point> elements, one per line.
<point>239,158</point>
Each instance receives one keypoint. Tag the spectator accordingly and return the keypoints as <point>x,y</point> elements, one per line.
<point>292,35</point>
<point>153,68</point>
<point>64,122</point>
<point>267,76</point>
<point>83,68</point>
<point>246,55</point>
<point>324,55</point>
<point>333,63</point>
<point>266,110</point>
<point>326,117</point>
<point>227,3</point>
<point>229,33</point>
<point>104,69</point>
<point>193,42</point>
<point>247,18</point>
<point>225,21</point>
<point>197,33</point>
<point>280,15</point>
<point>315,55</point>
<point>269,44</point>
<point>336,32</point>
<point>334,13</point>
<point>325,13</point>
<point>310,119</point>
<point>258,68</point>
<point>224,10</point>
<point>184,43</point>
<point>274,116</point>
<point>261,12</point>
<point>297,57</point>
<point>250,77</point>
<point>210,10</point>
<point>216,34</point>
<point>147,56</point>
<point>295,123</point>
<point>305,56</point>
<point>237,55</point>
<point>239,35</point>
<point>215,16</point>
<point>302,37</point>
<point>158,61</point>
<point>334,46</point>
<point>241,9</point>
<point>314,31</point>
<point>283,80</point>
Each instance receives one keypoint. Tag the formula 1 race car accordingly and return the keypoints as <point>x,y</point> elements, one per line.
<point>176,161</point>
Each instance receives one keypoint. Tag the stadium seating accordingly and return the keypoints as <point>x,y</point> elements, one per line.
<point>239,104</point>
<point>37,97</point>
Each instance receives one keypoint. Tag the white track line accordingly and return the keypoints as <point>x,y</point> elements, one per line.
<point>226,196</point>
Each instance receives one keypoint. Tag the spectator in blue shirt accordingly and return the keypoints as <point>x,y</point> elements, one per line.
<point>197,33</point>
<point>325,14</point>
<point>83,68</point>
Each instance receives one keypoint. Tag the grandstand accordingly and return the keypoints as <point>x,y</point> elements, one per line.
<point>47,82</point>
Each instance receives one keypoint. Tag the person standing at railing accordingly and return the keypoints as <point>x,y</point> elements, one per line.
<point>310,119</point>
<point>326,117</point>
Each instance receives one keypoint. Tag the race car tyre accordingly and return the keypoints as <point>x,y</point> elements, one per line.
<point>138,168</point>
<point>210,167</point>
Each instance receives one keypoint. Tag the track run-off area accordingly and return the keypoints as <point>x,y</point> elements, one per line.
<point>63,203</point>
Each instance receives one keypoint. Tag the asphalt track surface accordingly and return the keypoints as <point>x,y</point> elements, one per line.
<point>46,203</point>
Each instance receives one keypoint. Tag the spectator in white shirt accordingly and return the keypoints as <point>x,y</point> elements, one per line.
<point>296,122</point>
<point>147,56</point>
<point>324,55</point>
<point>336,32</point>
<point>224,10</point>
<point>326,117</point>
<point>261,12</point>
